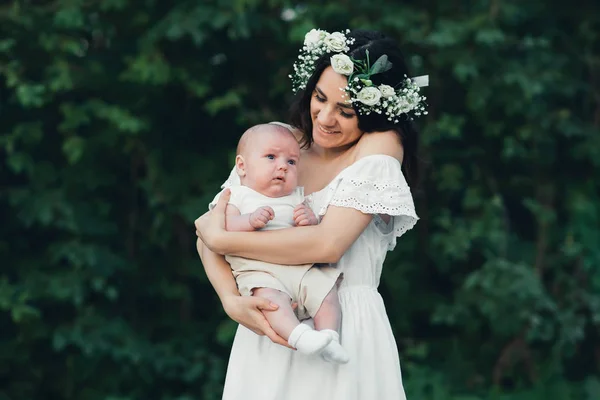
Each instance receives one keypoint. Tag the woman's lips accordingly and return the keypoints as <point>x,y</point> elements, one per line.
<point>326,131</point>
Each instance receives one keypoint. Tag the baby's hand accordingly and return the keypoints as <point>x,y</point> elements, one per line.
<point>260,217</point>
<point>304,215</point>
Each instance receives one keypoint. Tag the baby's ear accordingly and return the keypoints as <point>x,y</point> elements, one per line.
<point>240,166</point>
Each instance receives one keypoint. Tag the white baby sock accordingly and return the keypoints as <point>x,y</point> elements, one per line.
<point>334,352</point>
<point>307,340</point>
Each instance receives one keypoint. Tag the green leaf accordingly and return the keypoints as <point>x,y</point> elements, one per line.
<point>7,44</point>
<point>381,65</point>
<point>31,95</point>
<point>23,313</point>
<point>73,148</point>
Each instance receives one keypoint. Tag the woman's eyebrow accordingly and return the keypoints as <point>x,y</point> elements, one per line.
<point>320,92</point>
<point>344,105</point>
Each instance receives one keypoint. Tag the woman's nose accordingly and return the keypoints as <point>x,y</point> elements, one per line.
<point>326,117</point>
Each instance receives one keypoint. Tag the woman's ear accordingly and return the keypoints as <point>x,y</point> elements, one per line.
<point>240,167</point>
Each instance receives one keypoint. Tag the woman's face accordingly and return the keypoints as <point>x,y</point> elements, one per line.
<point>335,123</point>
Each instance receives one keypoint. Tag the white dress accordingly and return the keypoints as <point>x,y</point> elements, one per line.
<point>261,370</point>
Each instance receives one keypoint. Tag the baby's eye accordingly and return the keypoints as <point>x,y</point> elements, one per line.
<point>270,156</point>
<point>292,162</point>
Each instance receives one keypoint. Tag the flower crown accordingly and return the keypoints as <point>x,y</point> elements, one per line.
<point>368,98</point>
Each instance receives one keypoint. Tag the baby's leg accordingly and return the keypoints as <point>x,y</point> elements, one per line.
<point>328,320</point>
<point>284,322</point>
<point>329,315</point>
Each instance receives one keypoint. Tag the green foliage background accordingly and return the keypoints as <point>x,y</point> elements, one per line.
<point>117,124</point>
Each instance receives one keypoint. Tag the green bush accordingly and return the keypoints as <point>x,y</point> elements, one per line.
<point>118,122</point>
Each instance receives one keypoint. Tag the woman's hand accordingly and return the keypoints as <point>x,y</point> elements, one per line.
<point>247,311</point>
<point>210,227</point>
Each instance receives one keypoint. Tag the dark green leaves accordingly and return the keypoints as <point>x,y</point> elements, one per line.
<point>117,125</point>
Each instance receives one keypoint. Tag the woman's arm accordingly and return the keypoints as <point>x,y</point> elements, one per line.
<point>325,243</point>
<point>245,310</point>
<point>218,273</point>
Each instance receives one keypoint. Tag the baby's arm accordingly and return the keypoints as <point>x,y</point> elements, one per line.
<point>237,222</point>
<point>304,215</point>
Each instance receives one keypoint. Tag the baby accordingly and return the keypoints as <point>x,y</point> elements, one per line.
<point>268,198</point>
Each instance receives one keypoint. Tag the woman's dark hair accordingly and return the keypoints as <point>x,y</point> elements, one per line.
<point>378,44</point>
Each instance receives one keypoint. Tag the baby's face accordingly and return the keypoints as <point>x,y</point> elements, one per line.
<point>271,164</point>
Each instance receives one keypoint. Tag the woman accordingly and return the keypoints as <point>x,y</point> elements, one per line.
<point>357,141</point>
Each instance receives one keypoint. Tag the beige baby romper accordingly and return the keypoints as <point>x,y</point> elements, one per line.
<point>306,284</point>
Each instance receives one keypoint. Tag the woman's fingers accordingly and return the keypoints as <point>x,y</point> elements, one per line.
<point>263,324</point>
<point>198,223</point>
<point>212,224</point>
<point>264,329</point>
<point>275,338</point>
<point>264,304</point>
<point>219,208</point>
<point>258,332</point>
<point>246,310</point>
<point>222,202</point>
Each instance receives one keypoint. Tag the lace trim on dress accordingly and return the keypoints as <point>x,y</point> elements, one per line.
<point>373,197</point>
<point>382,197</point>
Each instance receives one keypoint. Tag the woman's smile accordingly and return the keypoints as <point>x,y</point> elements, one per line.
<point>327,131</point>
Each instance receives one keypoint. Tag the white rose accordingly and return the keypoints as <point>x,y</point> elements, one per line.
<point>369,96</point>
<point>335,42</point>
<point>387,91</point>
<point>342,64</point>
<point>312,38</point>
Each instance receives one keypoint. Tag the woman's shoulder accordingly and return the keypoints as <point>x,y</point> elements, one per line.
<point>386,143</point>
<point>376,155</point>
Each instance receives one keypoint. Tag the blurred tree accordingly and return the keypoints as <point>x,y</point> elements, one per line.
<point>117,124</point>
